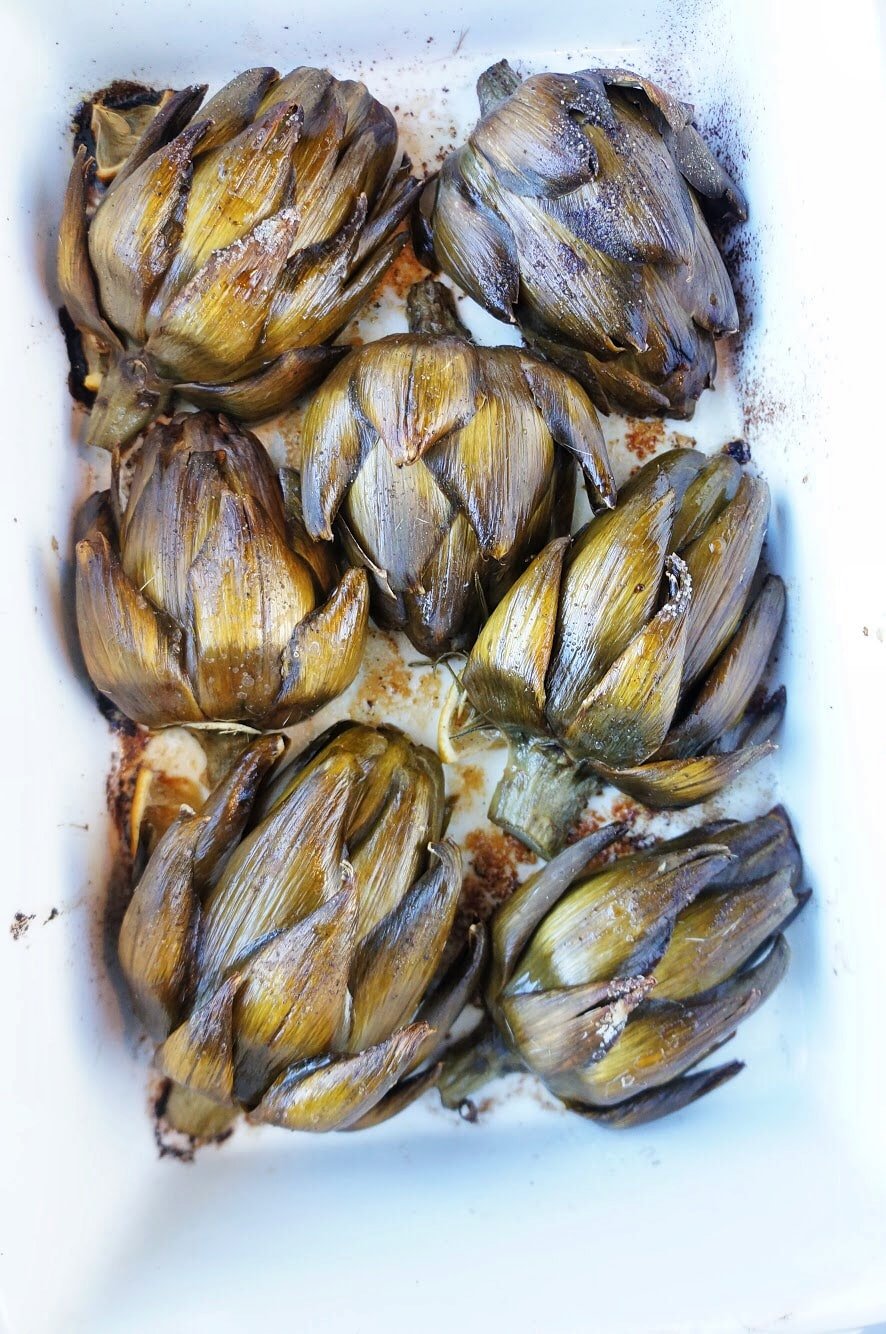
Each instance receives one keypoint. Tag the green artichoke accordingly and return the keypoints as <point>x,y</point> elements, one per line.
<point>228,246</point>
<point>613,984</point>
<point>283,944</point>
<point>575,208</point>
<point>591,670</point>
<point>199,597</point>
<point>443,467</point>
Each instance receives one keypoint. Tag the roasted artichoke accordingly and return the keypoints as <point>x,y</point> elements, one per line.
<point>199,598</point>
<point>589,668</point>
<point>229,244</point>
<point>437,464</point>
<point>283,943</point>
<point>613,984</point>
<point>576,208</point>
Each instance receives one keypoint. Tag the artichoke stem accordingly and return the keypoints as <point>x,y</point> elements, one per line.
<point>473,1062</point>
<point>541,795</point>
<point>131,394</point>
<point>430,309</point>
<point>495,85</point>
<point>193,1114</point>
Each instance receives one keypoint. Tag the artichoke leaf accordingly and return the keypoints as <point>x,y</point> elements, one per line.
<point>364,276</point>
<point>704,499</point>
<point>758,725</point>
<point>720,932</point>
<point>618,922</point>
<point>572,422</point>
<point>359,171</point>
<point>398,958</point>
<point>608,593</point>
<point>247,470</point>
<point>763,847</point>
<point>728,687</point>
<point>505,673</point>
<point>665,1039</point>
<point>400,1097</point>
<point>608,383</point>
<point>237,184</point>
<point>587,296</point>
<point>184,501</point>
<point>292,1003</point>
<point>307,86</point>
<point>320,556</point>
<point>391,853</point>
<point>229,805</point>
<point>658,1102</point>
<point>703,285</point>
<point>535,142</point>
<point>561,1028</point>
<point>689,150</point>
<point>158,936</point>
<point>415,391</point>
<point>172,117</point>
<point>476,246</point>
<point>517,918</point>
<point>393,768</point>
<point>404,511</point>
<point>366,746</point>
<point>334,1095</point>
<point>443,610</point>
<point>498,489</point>
<point>441,1009</point>
<point>675,783</point>
<point>722,562</point>
<point>636,208</point>
<point>306,305</point>
<point>676,468</point>
<point>324,651</point>
<point>130,655</point>
<point>200,1053</point>
<point>247,593</point>
<point>135,232</point>
<point>283,870</point>
<point>236,105</point>
<point>269,389</point>
<point>332,450</point>
<point>626,716</point>
<point>116,131</point>
<point>760,847</point>
<point>76,279</point>
<point>214,322</point>
<point>393,207</point>
<point>315,159</point>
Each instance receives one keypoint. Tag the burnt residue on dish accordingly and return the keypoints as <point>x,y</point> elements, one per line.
<point>498,862</point>
<point>739,450</point>
<point>20,923</point>
<point>622,811</point>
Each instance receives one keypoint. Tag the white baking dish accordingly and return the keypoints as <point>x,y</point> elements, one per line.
<point>760,1208</point>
